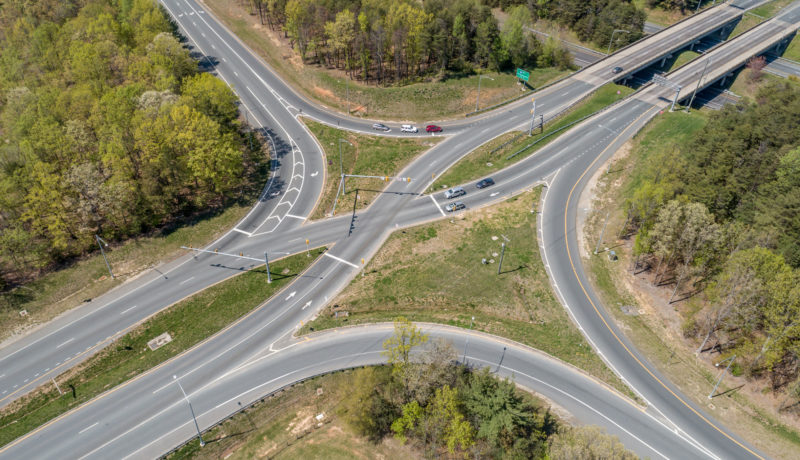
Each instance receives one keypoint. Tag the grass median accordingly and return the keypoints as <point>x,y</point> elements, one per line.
<point>490,157</point>
<point>435,273</point>
<point>364,155</point>
<point>188,322</point>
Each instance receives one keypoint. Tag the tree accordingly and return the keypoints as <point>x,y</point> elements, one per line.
<point>515,40</point>
<point>445,422</point>
<point>366,408</point>
<point>502,416</point>
<point>211,96</point>
<point>397,348</point>
<point>341,34</point>
<point>589,443</point>
<point>740,293</point>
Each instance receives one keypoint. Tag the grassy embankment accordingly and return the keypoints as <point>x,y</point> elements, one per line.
<point>285,427</point>
<point>365,155</point>
<point>655,330</point>
<point>188,322</point>
<point>758,15</point>
<point>418,102</point>
<point>482,161</point>
<point>434,273</point>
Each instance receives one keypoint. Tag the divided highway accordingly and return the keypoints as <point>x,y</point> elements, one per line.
<point>292,191</point>
<point>150,405</point>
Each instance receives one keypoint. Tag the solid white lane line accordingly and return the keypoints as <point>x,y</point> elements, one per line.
<point>68,341</point>
<point>88,428</point>
<point>437,205</point>
<point>127,310</point>
<point>295,217</point>
<point>186,281</point>
<point>341,260</point>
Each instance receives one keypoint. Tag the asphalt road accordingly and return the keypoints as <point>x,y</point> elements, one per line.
<point>359,236</point>
<point>156,414</point>
<point>292,192</point>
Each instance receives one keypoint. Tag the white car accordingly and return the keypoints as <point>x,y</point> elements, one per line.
<point>408,129</point>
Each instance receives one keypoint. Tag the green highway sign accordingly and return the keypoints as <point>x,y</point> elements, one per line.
<point>523,74</point>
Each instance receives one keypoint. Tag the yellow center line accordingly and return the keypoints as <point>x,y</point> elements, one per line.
<point>574,271</point>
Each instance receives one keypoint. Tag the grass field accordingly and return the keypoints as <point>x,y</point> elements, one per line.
<point>483,161</point>
<point>364,155</point>
<point>660,16</point>
<point>683,58</point>
<point>188,322</point>
<point>656,329</point>
<point>419,102</point>
<point>283,427</point>
<point>434,273</point>
<point>793,50</point>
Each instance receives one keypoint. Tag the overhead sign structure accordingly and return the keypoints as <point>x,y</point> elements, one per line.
<point>523,74</point>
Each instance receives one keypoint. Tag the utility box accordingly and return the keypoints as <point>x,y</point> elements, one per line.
<point>612,256</point>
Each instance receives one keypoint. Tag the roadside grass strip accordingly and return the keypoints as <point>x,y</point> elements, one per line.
<point>188,322</point>
<point>488,158</point>
<point>363,155</point>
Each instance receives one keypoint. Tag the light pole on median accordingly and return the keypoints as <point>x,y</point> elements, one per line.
<point>196,426</point>
<point>101,242</point>
<point>610,42</point>
<point>467,341</point>
<point>341,167</point>
<point>708,61</point>
<point>477,100</point>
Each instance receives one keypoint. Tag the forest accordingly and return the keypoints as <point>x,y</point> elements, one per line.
<point>425,397</point>
<point>723,220</point>
<point>591,20</point>
<point>107,128</point>
<point>397,41</point>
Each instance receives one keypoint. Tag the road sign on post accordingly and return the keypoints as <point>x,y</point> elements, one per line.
<point>523,74</point>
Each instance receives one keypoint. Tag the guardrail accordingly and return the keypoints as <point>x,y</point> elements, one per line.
<point>644,37</point>
<point>243,408</point>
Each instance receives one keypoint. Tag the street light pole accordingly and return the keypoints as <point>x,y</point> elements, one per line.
<point>481,77</point>
<point>719,380</point>
<point>502,254</point>
<point>196,426</point>
<point>610,42</point>
<point>464,361</point>
<point>101,242</point>
<point>266,262</point>
<point>600,240</point>
<point>341,167</point>
<point>533,115</point>
<point>705,67</point>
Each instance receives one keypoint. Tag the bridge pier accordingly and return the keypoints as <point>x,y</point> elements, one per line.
<point>725,78</point>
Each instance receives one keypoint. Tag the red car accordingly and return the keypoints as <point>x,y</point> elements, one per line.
<point>433,129</point>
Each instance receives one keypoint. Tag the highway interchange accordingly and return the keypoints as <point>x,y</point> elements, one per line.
<point>144,417</point>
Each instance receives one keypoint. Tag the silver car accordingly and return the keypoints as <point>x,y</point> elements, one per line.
<point>454,192</point>
<point>455,206</point>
